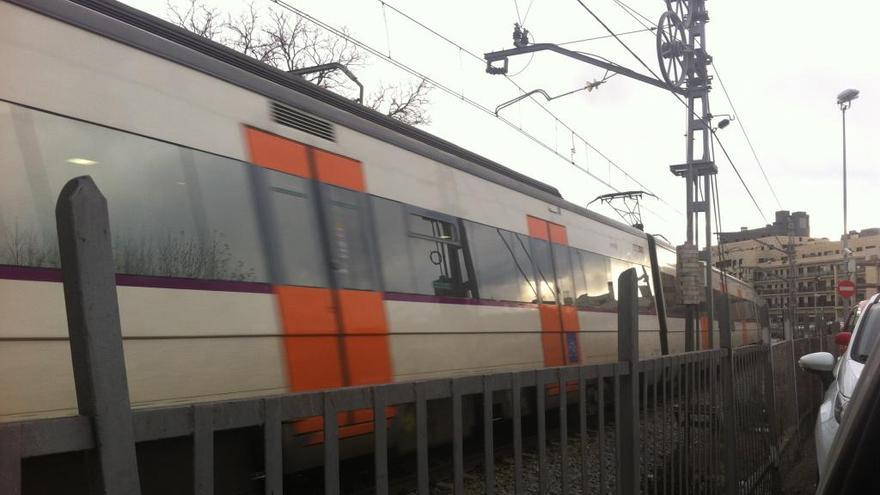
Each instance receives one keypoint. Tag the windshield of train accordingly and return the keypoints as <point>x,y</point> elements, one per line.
<point>866,337</point>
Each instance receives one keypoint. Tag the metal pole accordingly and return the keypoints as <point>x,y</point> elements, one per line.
<point>628,351</point>
<point>845,230</point>
<point>731,476</point>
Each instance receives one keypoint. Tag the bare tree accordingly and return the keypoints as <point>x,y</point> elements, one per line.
<point>289,42</point>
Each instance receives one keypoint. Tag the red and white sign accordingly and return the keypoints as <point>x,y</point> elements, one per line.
<point>846,288</point>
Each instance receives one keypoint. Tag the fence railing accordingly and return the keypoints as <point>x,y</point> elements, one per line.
<point>712,421</point>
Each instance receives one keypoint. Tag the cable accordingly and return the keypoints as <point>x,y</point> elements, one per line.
<point>726,155</point>
<point>518,17</point>
<point>528,9</point>
<point>712,131</point>
<point>437,84</point>
<point>634,13</point>
<point>537,102</point>
<point>745,134</point>
<point>616,37</point>
<point>606,36</point>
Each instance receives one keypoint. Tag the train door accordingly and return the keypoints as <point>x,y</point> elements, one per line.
<point>556,292</point>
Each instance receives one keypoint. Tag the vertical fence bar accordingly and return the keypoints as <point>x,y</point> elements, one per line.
<point>730,472</point>
<point>642,408</point>
<point>380,441</point>
<point>667,466</point>
<point>563,432</point>
<point>772,425</point>
<point>87,268</point>
<point>601,400</point>
<point>617,439</point>
<point>457,439</point>
<point>582,422</point>
<point>203,449</point>
<point>658,444</point>
<point>10,459</point>
<point>542,432</point>
<point>517,434</point>
<point>682,434</point>
<point>629,472</point>
<point>272,447</point>
<point>793,362</point>
<point>488,438</point>
<point>331,447</point>
<point>422,438</point>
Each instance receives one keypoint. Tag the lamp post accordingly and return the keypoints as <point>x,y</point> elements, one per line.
<point>844,101</point>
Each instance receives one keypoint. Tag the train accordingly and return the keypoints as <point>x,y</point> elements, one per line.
<point>270,236</point>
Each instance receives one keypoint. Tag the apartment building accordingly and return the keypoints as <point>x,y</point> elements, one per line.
<point>760,256</point>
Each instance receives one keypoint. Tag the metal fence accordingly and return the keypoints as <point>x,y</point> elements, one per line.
<point>711,421</point>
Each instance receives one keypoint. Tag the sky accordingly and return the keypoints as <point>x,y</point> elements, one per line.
<point>782,63</point>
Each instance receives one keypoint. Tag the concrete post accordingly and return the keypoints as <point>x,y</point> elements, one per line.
<point>95,337</point>
<point>629,476</point>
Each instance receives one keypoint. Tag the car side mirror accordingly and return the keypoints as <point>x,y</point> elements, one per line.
<point>843,338</point>
<point>820,363</point>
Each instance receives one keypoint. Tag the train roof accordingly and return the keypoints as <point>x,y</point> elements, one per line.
<point>178,45</point>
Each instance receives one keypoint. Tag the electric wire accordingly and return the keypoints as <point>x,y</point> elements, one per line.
<point>679,98</point>
<point>616,37</point>
<point>518,17</point>
<point>528,9</point>
<point>742,128</point>
<point>606,36</point>
<point>441,86</point>
<point>536,101</point>
<point>518,87</point>
<point>635,14</point>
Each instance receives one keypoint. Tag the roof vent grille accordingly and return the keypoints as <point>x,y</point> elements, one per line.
<point>300,121</point>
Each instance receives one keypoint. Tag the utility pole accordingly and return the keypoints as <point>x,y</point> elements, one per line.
<point>700,165</point>
<point>684,62</point>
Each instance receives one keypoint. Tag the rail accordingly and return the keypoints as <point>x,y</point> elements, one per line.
<point>712,421</point>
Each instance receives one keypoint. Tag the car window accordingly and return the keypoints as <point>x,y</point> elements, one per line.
<point>866,337</point>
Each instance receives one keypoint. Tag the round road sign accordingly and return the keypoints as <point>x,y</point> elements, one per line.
<point>846,288</point>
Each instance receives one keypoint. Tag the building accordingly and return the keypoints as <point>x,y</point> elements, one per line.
<point>760,256</point>
<point>799,222</point>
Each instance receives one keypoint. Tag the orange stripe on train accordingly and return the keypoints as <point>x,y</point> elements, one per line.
<point>278,153</point>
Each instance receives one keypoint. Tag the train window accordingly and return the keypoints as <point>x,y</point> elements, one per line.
<point>351,248</point>
<point>543,259</point>
<point>564,279</point>
<point>437,257</point>
<point>391,235</point>
<point>596,293</point>
<point>173,211</point>
<point>502,263</point>
<point>644,292</point>
<point>296,225</point>
<point>421,253</point>
<point>432,228</point>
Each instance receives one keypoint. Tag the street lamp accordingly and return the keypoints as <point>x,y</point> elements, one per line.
<point>844,101</point>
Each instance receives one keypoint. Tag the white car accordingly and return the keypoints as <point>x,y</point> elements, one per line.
<point>843,376</point>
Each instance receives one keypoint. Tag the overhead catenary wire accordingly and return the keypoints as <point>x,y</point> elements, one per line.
<point>606,36</point>
<point>742,128</point>
<point>437,84</point>
<point>568,127</point>
<point>479,58</point>
<point>711,130</point>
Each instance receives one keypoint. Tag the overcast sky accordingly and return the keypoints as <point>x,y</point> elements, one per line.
<point>782,61</point>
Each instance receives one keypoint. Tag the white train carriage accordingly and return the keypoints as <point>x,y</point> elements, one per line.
<point>271,236</point>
